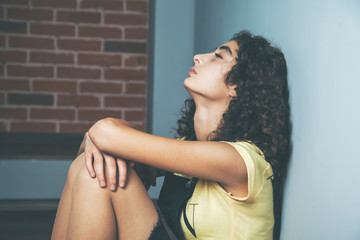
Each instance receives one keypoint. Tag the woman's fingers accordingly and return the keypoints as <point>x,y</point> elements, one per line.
<point>91,153</point>
<point>122,167</point>
<point>99,168</point>
<point>89,163</point>
<point>111,168</point>
<point>94,161</point>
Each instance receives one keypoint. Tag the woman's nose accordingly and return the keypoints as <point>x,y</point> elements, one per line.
<point>197,58</point>
<point>202,58</point>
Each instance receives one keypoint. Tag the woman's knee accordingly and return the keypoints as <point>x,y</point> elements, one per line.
<point>75,166</point>
<point>78,175</point>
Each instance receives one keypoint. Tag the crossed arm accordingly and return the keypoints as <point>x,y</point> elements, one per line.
<point>210,160</point>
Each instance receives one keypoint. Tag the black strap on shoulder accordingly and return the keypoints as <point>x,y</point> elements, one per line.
<point>174,195</point>
<point>187,223</point>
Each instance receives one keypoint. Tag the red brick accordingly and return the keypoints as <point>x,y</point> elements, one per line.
<point>12,113</point>
<point>125,74</point>
<point>30,14</point>
<point>74,127</point>
<point>2,41</point>
<point>3,127</point>
<point>124,101</point>
<point>78,16</point>
<point>82,73</point>
<point>102,87</point>
<point>31,42</point>
<point>14,2</point>
<point>32,127</point>
<point>135,61</point>
<point>99,59</point>
<point>133,115</point>
<point>54,86</point>
<point>135,88</point>
<point>52,113</point>
<point>94,115</point>
<point>52,29</point>
<point>2,98</point>
<point>12,56</point>
<point>101,4</point>
<point>14,84</point>
<point>136,33</point>
<point>100,32</point>
<point>30,71</point>
<point>78,101</point>
<point>54,3</point>
<point>137,6</point>
<point>79,44</point>
<point>52,57</point>
<point>125,19</point>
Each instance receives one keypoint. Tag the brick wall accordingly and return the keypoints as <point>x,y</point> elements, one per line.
<point>66,63</point>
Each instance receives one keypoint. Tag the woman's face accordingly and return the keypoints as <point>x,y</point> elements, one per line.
<point>207,77</point>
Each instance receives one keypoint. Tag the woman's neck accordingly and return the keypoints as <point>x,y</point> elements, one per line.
<point>207,119</point>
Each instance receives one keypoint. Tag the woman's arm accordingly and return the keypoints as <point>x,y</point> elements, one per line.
<point>210,160</point>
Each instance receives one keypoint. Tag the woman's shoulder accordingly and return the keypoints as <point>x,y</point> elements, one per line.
<point>258,169</point>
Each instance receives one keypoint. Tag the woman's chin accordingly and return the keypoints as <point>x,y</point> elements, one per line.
<point>187,83</point>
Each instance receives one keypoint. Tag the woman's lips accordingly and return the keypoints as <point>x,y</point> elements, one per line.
<point>192,71</point>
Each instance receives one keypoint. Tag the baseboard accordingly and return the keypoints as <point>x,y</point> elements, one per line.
<point>29,204</point>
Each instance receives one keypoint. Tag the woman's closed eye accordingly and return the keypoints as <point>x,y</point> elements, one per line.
<point>218,55</point>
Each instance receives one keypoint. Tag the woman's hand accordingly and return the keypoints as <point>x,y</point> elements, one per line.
<point>114,166</point>
<point>94,161</point>
<point>96,158</point>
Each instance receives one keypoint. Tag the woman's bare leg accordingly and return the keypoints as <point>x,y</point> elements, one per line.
<point>96,213</point>
<point>63,211</point>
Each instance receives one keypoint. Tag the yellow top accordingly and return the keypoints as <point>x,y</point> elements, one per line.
<point>214,213</point>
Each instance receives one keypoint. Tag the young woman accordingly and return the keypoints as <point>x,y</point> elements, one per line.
<point>223,170</point>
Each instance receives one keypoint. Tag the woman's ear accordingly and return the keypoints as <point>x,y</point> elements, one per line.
<point>232,91</point>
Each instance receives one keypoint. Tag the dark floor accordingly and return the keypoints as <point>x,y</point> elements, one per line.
<point>27,219</point>
<point>26,225</point>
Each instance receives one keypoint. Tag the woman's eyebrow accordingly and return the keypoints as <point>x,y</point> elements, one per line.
<point>227,49</point>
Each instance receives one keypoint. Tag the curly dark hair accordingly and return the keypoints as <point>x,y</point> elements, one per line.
<point>260,113</point>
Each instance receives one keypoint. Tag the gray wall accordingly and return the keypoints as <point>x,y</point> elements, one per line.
<point>32,179</point>
<point>320,40</point>
<point>173,51</point>
<point>173,54</point>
